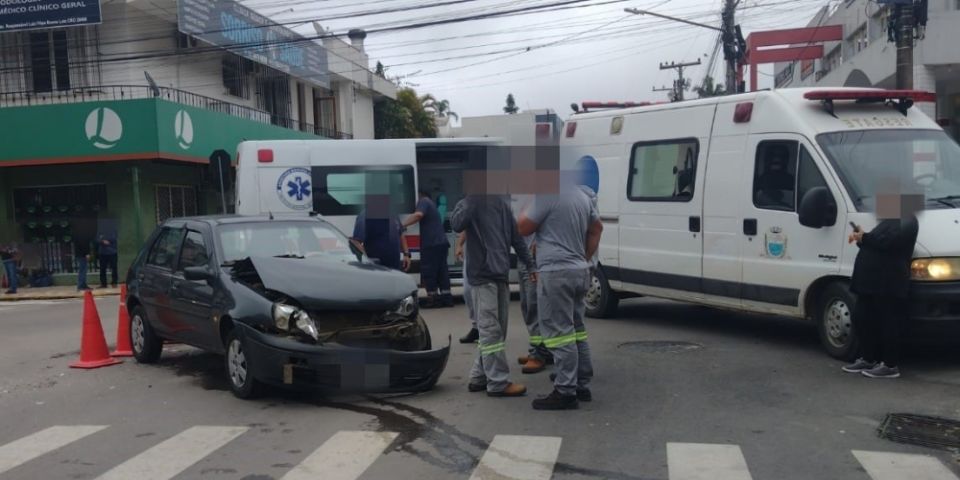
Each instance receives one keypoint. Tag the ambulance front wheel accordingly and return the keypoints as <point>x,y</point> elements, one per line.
<point>835,321</point>
<point>601,301</point>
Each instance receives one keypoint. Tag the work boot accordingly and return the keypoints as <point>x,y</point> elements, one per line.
<point>859,366</point>
<point>429,302</point>
<point>471,337</point>
<point>882,371</point>
<point>534,365</point>
<point>512,390</point>
<point>476,387</point>
<point>523,359</point>
<point>556,401</point>
<point>547,359</point>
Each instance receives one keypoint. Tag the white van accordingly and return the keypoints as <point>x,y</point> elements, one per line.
<point>331,178</point>
<point>695,209</point>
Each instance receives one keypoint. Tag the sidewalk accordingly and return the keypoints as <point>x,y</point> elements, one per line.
<point>54,293</point>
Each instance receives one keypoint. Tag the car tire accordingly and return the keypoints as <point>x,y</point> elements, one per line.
<point>239,375</point>
<point>145,343</point>
<point>834,317</point>
<point>602,302</point>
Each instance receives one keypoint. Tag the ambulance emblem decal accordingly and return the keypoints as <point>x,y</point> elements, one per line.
<point>294,188</point>
<point>775,243</point>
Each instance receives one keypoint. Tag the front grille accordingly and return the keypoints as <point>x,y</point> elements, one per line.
<point>933,432</point>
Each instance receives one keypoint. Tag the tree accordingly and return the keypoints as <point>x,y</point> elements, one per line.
<point>511,106</point>
<point>708,89</point>
<point>441,108</point>
<point>405,117</point>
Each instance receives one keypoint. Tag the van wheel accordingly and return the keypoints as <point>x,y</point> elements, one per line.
<point>601,301</point>
<point>835,321</point>
<point>242,383</point>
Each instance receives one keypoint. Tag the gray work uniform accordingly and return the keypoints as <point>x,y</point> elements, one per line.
<point>561,237</point>
<point>466,294</point>
<point>528,308</point>
<point>491,232</point>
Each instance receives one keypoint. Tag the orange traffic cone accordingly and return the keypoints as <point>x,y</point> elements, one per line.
<point>93,347</point>
<point>123,348</point>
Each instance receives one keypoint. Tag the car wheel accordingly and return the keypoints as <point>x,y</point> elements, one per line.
<point>147,346</point>
<point>242,383</point>
<point>835,322</point>
<point>601,301</point>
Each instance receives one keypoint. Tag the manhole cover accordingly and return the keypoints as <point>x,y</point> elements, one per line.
<point>921,430</point>
<point>659,346</point>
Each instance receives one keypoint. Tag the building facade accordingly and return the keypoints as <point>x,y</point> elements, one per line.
<point>108,128</point>
<point>867,58</point>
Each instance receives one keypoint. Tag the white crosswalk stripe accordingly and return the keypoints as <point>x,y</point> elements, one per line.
<point>32,446</point>
<point>902,466</point>
<point>517,456</point>
<point>703,461</point>
<point>174,455</point>
<point>345,456</point>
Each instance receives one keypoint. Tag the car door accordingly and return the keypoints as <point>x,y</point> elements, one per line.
<point>154,279</point>
<point>193,300</point>
<point>781,257</point>
<point>660,220</point>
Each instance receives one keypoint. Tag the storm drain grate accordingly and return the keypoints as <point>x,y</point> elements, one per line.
<point>660,346</point>
<point>921,430</point>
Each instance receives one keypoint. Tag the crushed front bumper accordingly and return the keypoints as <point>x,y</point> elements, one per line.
<point>282,361</point>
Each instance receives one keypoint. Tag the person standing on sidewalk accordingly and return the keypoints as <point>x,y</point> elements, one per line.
<point>491,231</point>
<point>881,280</point>
<point>473,335</point>
<point>82,252</point>
<point>9,255</point>
<point>567,227</point>
<point>538,356</point>
<point>434,249</point>
<point>107,253</point>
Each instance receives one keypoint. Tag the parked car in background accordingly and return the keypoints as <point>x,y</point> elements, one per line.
<point>287,301</point>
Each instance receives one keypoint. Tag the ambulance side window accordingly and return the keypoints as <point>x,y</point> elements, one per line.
<point>775,175</point>
<point>808,175</point>
<point>663,171</point>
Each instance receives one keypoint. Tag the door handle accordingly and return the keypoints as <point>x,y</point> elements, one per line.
<point>695,224</point>
<point>750,226</point>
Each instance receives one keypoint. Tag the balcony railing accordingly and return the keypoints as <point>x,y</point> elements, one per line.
<point>131,92</point>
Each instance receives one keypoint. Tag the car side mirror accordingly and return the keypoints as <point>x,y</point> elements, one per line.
<point>818,209</point>
<point>198,273</point>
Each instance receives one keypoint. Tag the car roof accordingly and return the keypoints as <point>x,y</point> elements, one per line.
<point>214,220</point>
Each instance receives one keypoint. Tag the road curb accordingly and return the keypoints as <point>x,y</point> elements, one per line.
<point>54,297</point>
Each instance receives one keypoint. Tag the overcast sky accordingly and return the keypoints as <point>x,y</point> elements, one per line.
<point>546,59</point>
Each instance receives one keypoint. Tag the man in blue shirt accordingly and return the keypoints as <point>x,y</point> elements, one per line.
<point>434,249</point>
<point>382,239</point>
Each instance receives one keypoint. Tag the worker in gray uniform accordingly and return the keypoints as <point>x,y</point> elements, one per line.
<point>491,231</point>
<point>567,227</point>
<point>538,356</point>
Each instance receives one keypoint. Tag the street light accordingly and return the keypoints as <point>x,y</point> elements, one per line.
<point>637,11</point>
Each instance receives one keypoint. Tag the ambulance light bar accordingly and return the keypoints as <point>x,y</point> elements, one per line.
<point>902,100</point>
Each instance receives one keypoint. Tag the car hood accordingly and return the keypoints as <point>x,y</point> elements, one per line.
<point>325,284</point>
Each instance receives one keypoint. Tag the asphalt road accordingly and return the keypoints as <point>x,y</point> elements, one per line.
<point>747,397</point>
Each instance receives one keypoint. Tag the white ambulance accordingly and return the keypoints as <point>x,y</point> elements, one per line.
<point>745,202</point>
<point>332,177</point>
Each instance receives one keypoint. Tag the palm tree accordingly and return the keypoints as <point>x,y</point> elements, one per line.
<point>708,89</point>
<point>429,102</point>
<point>442,109</point>
<point>511,106</point>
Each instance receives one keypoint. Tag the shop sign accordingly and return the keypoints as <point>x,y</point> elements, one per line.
<point>228,24</point>
<point>37,14</point>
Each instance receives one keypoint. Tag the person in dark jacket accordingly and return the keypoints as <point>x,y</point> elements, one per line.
<point>881,280</point>
<point>107,253</point>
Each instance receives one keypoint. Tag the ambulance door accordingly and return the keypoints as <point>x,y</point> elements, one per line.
<point>781,257</point>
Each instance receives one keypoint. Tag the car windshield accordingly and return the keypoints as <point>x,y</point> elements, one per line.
<point>925,160</point>
<point>283,239</point>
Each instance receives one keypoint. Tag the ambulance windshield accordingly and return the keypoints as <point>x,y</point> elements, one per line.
<point>923,161</point>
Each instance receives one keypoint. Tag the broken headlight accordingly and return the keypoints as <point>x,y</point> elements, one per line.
<point>407,307</point>
<point>285,315</point>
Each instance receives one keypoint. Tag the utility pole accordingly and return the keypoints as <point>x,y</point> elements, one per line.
<point>665,89</point>
<point>904,14</point>
<point>681,83</point>
<point>730,47</point>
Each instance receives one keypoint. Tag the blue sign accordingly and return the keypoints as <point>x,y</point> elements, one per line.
<point>589,173</point>
<point>37,14</point>
<point>227,24</point>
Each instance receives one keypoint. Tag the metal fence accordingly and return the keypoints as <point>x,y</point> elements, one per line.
<point>132,92</point>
